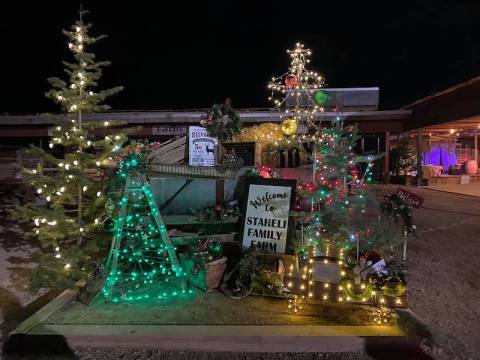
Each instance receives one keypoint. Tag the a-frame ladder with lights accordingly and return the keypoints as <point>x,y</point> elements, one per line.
<point>135,184</point>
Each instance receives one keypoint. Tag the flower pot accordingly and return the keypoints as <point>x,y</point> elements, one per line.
<point>214,273</point>
<point>204,275</point>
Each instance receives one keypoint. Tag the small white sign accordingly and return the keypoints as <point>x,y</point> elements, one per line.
<point>266,218</point>
<point>464,179</point>
<point>328,273</point>
<point>201,147</point>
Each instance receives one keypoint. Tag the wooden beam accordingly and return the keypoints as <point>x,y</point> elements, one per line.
<point>476,147</point>
<point>170,200</point>
<point>386,159</point>
<point>419,156</point>
<point>219,191</point>
<point>457,103</point>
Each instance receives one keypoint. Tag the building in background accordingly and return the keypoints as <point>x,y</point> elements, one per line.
<point>439,131</point>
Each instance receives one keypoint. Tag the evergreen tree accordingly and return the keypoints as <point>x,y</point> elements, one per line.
<point>407,157</point>
<point>69,177</point>
<point>336,218</point>
<point>340,221</point>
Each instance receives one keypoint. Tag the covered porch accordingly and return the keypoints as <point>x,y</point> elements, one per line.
<point>444,132</point>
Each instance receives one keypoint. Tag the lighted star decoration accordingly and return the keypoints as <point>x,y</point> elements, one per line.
<point>297,83</point>
<point>382,316</point>
<point>295,303</point>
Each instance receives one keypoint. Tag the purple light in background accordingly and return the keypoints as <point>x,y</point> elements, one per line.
<point>440,155</point>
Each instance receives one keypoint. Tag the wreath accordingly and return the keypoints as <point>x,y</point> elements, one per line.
<point>222,121</point>
<point>394,287</point>
<point>365,295</point>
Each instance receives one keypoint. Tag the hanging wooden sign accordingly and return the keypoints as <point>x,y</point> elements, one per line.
<point>413,199</point>
<point>201,147</point>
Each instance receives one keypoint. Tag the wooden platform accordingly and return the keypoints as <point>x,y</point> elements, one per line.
<point>451,179</point>
<point>203,337</point>
<point>472,189</point>
<point>291,338</point>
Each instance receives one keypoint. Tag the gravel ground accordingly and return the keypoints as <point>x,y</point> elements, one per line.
<point>443,288</point>
<point>137,354</point>
<point>16,266</point>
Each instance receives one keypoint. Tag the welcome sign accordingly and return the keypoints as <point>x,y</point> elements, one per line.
<point>266,217</point>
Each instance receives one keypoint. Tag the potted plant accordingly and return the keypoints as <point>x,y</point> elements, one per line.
<point>205,267</point>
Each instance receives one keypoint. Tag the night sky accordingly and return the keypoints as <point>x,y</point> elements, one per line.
<point>182,56</point>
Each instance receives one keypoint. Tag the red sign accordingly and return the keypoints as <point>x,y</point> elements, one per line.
<point>413,199</point>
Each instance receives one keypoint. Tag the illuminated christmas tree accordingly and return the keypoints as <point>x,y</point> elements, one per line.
<point>341,236</point>
<point>334,198</point>
<point>142,262</point>
<point>69,179</point>
<point>336,195</point>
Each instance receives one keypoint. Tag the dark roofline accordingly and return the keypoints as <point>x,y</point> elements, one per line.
<point>328,89</point>
<point>443,92</point>
<point>193,116</point>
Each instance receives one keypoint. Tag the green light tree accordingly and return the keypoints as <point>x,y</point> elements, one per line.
<point>70,176</point>
<point>142,262</point>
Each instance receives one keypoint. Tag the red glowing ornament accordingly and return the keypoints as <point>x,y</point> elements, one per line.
<point>218,208</point>
<point>264,172</point>
<point>309,187</point>
<point>291,81</point>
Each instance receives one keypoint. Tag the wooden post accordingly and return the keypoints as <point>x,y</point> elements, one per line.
<point>397,158</point>
<point>386,159</point>
<point>475,142</point>
<point>358,249</point>
<point>419,156</point>
<point>219,191</point>
<point>314,173</point>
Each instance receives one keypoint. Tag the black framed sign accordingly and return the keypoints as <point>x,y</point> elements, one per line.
<point>267,207</point>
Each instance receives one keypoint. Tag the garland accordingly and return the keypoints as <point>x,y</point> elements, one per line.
<point>357,297</point>
<point>396,291</point>
<point>398,208</point>
<point>222,121</point>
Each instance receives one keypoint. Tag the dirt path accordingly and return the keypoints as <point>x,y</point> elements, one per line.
<point>444,275</point>
<point>16,266</point>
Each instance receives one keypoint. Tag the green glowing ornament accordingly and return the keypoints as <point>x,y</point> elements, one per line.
<point>133,163</point>
<point>108,225</point>
<point>215,248</point>
<point>321,97</point>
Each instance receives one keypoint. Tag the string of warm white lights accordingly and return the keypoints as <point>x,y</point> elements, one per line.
<point>69,175</point>
<point>298,84</point>
<point>304,286</point>
<point>77,97</point>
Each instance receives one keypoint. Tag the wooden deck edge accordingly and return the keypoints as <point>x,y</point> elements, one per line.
<point>207,331</point>
<point>450,192</point>
<point>239,338</point>
<point>45,312</point>
<point>259,344</point>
